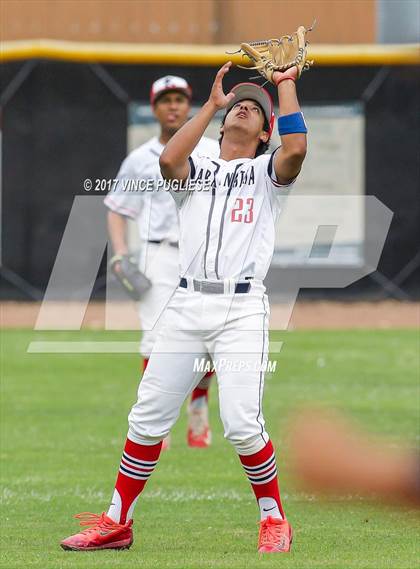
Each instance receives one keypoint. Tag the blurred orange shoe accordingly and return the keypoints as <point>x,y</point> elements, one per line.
<point>101,533</point>
<point>199,433</point>
<point>202,440</point>
<point>275,536</point>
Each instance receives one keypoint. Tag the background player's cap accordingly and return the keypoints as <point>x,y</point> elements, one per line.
<point>256,93</point>
<point>169,83</point>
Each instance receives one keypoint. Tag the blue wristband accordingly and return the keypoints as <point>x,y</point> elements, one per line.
<point>291,124</point>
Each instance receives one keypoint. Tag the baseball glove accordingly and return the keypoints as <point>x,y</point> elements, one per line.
<point>126,271</point>
<point>278,54</point>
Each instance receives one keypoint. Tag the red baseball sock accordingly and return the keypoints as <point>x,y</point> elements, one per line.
<point>202,391</point>
<point>262,473</point>
<point>197,393</point>
<point>137,464</point>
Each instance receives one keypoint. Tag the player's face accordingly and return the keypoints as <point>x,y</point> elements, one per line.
<point>171,110</point>
<point>248,117</point>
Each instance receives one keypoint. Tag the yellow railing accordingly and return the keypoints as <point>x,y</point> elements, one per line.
<point>198,55</point>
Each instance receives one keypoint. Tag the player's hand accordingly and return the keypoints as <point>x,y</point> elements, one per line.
<point>117,267</point>
<point>217,97</point>
<point>291,73</point>
<point>135,283</point>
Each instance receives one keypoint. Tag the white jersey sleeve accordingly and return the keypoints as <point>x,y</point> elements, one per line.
<point>119,200</point>
<point>271,174</point>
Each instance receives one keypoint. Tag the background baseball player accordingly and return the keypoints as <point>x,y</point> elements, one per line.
<point>226,245</point>
<point>157,218</point>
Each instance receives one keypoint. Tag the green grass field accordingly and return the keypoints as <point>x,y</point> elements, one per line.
<point>63,424</point>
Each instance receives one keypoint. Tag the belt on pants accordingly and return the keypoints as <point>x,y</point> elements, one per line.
<point>160,241</point>
<point>211,287</point>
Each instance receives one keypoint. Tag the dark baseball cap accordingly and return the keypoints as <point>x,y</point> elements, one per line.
<point>256,93</point>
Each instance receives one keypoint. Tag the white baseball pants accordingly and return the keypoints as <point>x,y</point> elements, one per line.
<point>230,328</point>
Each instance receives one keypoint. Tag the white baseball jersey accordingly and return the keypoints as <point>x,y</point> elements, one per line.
<point>154,210</point>
<point>228,230</point>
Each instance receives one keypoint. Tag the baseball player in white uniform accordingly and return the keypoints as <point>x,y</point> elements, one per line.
<point>157,218</point>
<point>227,207</point>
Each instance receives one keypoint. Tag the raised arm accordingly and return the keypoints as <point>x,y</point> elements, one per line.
<point>174,158</point>
<point>289,158</point>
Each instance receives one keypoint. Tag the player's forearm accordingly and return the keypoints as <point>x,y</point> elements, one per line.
<point>117,230</point>
<point>289,104</point>
<point>288,160</point>
<point>174,158</point>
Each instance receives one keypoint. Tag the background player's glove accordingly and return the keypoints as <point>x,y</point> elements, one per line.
<point>126,271</point>
<point>278,54</point>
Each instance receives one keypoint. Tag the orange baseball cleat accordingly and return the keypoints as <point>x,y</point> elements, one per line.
<point>200,440</point>
<point>275,536</point>
<point>101,533</point>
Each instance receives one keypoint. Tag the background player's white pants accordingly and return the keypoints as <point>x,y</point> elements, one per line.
<point>233,330</point>
<point>159,262</point>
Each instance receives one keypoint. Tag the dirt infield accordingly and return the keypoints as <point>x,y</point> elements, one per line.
<point>306,315</point>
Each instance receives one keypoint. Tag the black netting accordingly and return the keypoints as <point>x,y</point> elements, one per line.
<point>67,122</point>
